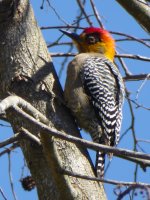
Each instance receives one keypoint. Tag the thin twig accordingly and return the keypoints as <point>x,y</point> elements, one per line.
<point>130,56</point>
<point>77,22</point>
<point>56,13</point>
<point>132,120</point>
<point>5,125</point>
<point>30,136</point>
<point>139,105</point>
<point>141,86</point>
<point>84,13</point>
<point>61,27</point>
<point>96,13</point>
<point>141,140</point>
<point>62,54</point>
<point>2,193</point>
<point>132,188</point>
<point>10,177</point>
<point>130,37</point>
<point>135,175</point>
<point>125,132</point>
<point>58,44</point>
<point>18,136</point>
<point>14,138</point>
<point>42,4</point>
<point>126,70</point>
<point>8,150</point>
<point>65,61</point>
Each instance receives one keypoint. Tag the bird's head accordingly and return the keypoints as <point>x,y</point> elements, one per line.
<point>95,40</point>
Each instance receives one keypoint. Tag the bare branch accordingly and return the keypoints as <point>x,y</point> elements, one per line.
<point>141,86</point>
<point>63,54</point>
<point>56,133</point>
<point>18,136</point>
<point>131,56</point>
<point>141,140</point>
<point>109,181</point>
<point>132,188</point>
<point>59,44</point>
<point>136,77</point>
<point>12,101</point>
<point>60,27</point>
<point>64,62</point>
<point>86,143</point>
<point>127,72</point>
<point>10,140</point>
<point>56,13</point>
<point>130,37</point>
<point>8,150</point>
<point>5,125</point>
<point>84,12</point>
<point>139,105</point>
<point>2,193</point>
<point>132,119</point>
<point>30,136</point>
<point>96,14</point>
<point>10,177</point>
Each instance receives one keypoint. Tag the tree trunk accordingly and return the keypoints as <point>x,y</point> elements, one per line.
<point>26,70</point>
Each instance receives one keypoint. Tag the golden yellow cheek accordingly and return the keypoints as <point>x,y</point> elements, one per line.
<point>105,48</point>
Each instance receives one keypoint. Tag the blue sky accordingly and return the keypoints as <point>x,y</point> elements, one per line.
<point>114,19</point>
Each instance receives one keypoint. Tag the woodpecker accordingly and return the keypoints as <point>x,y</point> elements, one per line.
<point>94,89</point>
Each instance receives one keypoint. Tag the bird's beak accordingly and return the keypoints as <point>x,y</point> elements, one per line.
<point>73,36</point>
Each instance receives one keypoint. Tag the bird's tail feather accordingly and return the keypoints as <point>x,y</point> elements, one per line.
<point>100,163</point>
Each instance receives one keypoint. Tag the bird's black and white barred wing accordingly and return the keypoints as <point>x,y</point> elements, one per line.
<point>104,86</point>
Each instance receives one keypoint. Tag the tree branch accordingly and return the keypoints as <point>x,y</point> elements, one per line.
<point>8,150</point>
<point>10,177</point>
<point>84,12</point>
<point>131,56</point>
<point>136,77</point>
<point>3,195</point>
<point>139,10</point>
<point>109,181</point>
<point>14,100</point>
<point>133,187</point>
<point>11,140</point>
<point>30,136</point>
<point>142,159</point>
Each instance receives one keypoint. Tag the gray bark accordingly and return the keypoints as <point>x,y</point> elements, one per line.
<point>139,10</point>
<point>26,70</point>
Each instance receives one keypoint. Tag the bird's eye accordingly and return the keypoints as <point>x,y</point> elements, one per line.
<point>92,39</point>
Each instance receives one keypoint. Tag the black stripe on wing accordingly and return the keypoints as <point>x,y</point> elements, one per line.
<point>100,84</point>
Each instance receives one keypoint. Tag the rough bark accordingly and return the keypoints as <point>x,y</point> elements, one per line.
<point>139,10</point>
<point>27,70</point>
